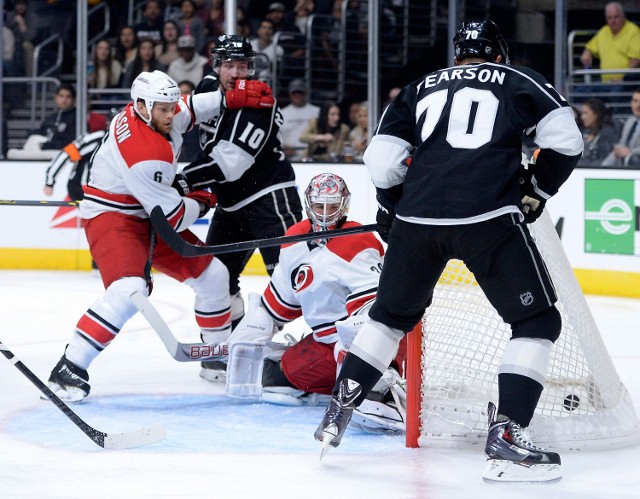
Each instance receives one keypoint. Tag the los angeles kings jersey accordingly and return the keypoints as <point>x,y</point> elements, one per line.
<point>242,155</point>
<point>134,168</point>
<point>325,283</point>
<point>464,127</point>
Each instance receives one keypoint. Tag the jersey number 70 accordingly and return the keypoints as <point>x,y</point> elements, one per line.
<point>471,118</point>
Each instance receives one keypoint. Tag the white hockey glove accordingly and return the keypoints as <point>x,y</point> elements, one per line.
<point>256,326</point>
<point>349,327</point>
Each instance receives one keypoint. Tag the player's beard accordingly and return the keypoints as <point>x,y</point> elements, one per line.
<point>163,127</point>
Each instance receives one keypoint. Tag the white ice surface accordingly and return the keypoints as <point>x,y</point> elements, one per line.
<point>220,447</point>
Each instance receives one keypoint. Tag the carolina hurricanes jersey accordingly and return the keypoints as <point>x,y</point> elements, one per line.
<point>242,155</point>
<point>325,283</point>
<point>133,170</point>
<point>464,127</point>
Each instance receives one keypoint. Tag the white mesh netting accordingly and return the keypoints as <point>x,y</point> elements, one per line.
<point>584,404</point>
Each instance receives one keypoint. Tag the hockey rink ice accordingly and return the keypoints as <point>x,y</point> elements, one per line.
<point>217,447</point>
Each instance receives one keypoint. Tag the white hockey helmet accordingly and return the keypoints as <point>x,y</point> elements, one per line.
<point>151,88</point>
<point>326,201</point>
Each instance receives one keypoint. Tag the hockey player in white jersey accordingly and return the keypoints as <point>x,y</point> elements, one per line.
<point>131,173</point>
<point>331,283</point>
<point>462,198</point>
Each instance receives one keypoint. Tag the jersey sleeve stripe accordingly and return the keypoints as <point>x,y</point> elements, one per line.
<point>176,215</point>
<point>121,201</point>
<point>356,302</point>
<point>278,308</point>
<point>540,87</point>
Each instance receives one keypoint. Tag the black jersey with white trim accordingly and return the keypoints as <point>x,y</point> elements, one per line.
<point>464,127</point>
<point>242,155</point>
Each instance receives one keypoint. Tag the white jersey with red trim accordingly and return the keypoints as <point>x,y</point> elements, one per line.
<point>134,168</point>
<point>325,283</point>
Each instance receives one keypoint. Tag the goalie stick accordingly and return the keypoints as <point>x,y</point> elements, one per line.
<point>176,243</point>
<point>182,352</point>
<point>137,438</point>
<point>24,202</point>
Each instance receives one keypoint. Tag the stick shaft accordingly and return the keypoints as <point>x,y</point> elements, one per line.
<point>27,202</point>
<point>168,234</point>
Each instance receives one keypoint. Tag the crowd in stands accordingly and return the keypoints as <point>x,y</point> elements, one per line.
<point>176,36</point>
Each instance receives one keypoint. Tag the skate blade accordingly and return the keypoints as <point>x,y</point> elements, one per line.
<point>326,444</point>
<point>504,471</point>
<point>214,375</point>
<point>69,395</point>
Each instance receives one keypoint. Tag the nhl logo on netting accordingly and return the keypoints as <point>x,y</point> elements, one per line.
<point>526,298</point>
<point>571,402</point>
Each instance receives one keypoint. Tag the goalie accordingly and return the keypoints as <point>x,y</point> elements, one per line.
<point>331,283</point>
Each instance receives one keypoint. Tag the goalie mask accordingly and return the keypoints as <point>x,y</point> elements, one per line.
<point>326,201</point>
<point>480,40</point>
<point>151,88</point>
<point>233,48</point>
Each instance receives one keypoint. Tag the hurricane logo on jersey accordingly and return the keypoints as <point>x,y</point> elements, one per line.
<point>301,277</point>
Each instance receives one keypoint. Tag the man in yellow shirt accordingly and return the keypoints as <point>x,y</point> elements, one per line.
<point>617,44</point>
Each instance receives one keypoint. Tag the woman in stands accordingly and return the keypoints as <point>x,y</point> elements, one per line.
<point>599,134</point>
<point>144,61</point>
<point>167,50</point>
<point>126,47</point>
<point>325,134</point>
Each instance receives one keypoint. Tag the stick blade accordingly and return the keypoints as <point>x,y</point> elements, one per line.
<point>137,438</point>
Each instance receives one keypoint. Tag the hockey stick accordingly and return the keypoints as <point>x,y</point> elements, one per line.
<point>22,202</point>
<point>137,438</point>
<point>183,248</point>
<point>182,352</point>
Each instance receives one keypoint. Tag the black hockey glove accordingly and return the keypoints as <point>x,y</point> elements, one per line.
<point>387,200</point>
<point>532,203</point>
<point>384,219</point>
<point>181,184</point>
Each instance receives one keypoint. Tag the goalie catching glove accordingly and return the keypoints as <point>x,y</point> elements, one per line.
<point>249,93</point>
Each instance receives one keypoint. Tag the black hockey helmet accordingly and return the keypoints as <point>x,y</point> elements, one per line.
<point>233,48</point>
<point>481,39</point>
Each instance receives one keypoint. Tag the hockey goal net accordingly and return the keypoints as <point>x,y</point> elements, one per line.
<point>454,355</point>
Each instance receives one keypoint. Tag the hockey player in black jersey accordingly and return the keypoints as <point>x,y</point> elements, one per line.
<point>243,164</point>
<point>460,197</point>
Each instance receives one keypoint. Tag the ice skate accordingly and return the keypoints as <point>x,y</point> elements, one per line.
<point>69,382</point>
<point>337,416</point>
<point>214,371</point>
<point>512,457</point>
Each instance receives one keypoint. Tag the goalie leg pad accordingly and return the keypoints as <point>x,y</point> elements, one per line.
<point>385,408</point>
<point>378,417</point>
<point>245,367</point>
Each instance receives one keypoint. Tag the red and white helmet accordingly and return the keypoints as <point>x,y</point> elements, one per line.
<point>326,201</point>
<point>153,87</point>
